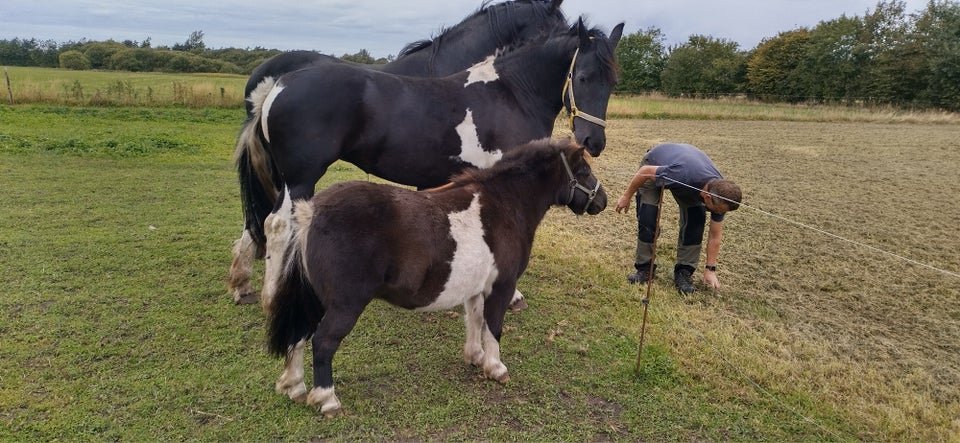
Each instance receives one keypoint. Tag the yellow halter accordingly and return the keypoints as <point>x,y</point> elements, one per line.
<point>568,91</point>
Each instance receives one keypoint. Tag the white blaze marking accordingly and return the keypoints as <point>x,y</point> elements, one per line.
<point>472,269</point>
<point>267,103</point>
<point>470,149</point>
<point>482,72</point>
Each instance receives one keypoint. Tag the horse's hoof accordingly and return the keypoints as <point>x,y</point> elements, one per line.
<point>518,306</point>
<point>246,299</point>
<point>333,413</point>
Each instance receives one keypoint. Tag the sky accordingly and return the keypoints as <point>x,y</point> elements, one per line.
<point>384,27</point>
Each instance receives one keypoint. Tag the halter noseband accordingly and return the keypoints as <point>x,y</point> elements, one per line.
<point>568,91</point>
<point>574,185</point>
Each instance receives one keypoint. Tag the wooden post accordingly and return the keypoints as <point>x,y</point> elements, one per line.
<point>9,90</point>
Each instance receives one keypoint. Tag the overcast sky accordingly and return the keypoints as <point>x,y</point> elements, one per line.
<point>383,27</point>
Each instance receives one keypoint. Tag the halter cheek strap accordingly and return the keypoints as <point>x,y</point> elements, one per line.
<point>574,184</point>
<point>568,92</point>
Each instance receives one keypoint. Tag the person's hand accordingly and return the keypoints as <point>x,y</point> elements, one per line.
<point>623,204</point>
<point>710,278</point>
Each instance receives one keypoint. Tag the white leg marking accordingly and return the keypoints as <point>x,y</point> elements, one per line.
<point>473,318</point>
<point>265,110</point>
<point>483,72</point>
<point>278,228</point>
<point>326,400</point>
<point>517,297</point>
<point>493,368</point>
<point>472,268</point>
<point>244,252</point>
<point>291,381</point>
<point>470,149</point>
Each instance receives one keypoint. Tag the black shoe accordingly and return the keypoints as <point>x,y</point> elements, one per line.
<point>642,275</point>
<point>683,280</point>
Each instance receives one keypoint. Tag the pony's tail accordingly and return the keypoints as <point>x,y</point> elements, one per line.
<point>259,179</point>
<point>295,310</point>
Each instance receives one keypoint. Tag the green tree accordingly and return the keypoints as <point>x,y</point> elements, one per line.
<point>194,43</point>
<point>884,33</point>
<point>74,60</point>
<point>937,32</point>
<point>828,69</point>
<point>704,65</point>
<point>360,57</point>
<point>641,57</point>
<point>773,68</point>
<point>99,53</point>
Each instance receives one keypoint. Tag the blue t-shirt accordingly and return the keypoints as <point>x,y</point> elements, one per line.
<point>686,164</point>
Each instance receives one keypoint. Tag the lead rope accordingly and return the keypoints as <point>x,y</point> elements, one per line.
<point>646,299</point>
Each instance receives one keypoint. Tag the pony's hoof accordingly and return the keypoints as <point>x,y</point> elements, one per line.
<point>325,400</point>
<point>497,372</point>
<point>518,305</point>
<point>246,299</point>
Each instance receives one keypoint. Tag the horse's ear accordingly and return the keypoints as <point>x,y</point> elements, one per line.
<point>584,35</point>
<point>555,5</point>
<point>615,35</point>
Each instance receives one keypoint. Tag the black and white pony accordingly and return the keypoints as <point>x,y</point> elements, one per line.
<point>456,48</point>
<point>420,131</point>
<point>466,243</point>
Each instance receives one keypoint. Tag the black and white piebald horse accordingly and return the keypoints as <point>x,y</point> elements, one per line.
<point>453,50</point>
<point>466,243</point>
<point>421,131</point>
<point>491,27</point>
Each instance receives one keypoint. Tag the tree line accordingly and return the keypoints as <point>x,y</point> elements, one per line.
<point>190,56</point>
<point>886,56</point>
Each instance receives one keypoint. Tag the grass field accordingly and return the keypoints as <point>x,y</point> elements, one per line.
<point>115,237</point>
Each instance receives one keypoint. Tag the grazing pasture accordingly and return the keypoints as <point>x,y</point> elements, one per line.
<point>116,325</point>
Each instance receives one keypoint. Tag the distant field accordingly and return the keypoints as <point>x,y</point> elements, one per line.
<point>99,88</point>
<point>109,88</point>
<point>115,237</point>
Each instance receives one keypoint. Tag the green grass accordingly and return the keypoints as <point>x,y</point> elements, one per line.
<point>115,238</point>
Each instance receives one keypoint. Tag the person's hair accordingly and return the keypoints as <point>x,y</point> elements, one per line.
<point>728,191</point>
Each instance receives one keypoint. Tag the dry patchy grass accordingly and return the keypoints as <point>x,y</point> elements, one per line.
<point>869,334</point>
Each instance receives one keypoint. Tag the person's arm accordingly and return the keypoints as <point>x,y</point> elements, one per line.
<point>646,172</point>
<point>714,237</point>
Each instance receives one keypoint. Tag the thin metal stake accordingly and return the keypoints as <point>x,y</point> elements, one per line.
<point>646,299</point>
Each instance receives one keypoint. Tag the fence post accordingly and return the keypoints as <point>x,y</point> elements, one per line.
<point>9,90</point>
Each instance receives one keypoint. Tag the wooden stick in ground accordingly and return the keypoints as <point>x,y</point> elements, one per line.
<point>646,299</point>
<point>9,90</point>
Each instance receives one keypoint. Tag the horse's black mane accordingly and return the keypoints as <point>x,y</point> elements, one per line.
<point>491,11</point>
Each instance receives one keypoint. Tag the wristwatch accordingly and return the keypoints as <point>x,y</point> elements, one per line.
<point>711,268</point>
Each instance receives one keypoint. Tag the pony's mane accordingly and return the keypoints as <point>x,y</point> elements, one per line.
<point>542,10</point>
<point>523,161</point>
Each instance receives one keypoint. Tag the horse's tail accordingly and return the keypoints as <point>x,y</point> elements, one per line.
<point>259,179</point>
<point>295,310</point>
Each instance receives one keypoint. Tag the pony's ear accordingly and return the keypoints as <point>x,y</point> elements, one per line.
<point>615,35</point>
<point>555,5</point>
